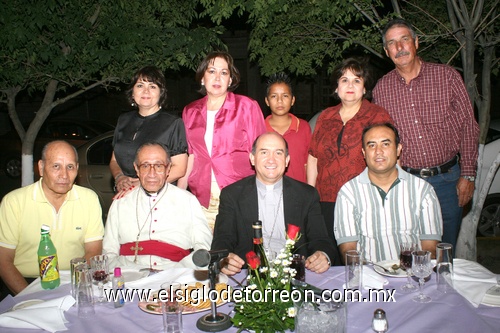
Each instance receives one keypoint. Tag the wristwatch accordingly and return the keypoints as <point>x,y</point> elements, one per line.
<point>470,178</point>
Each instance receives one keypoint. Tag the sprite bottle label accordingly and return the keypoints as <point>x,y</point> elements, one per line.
<point>49,270</point>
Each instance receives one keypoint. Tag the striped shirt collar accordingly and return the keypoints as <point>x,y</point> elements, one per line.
<point>365,179</point>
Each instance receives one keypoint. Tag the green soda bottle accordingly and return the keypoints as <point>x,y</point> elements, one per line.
<point>47,260</point>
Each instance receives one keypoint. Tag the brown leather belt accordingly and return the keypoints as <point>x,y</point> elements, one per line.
<point>429,172</point>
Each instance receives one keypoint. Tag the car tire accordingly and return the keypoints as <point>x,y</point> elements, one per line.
<point>489,221</point>
<point>13,167</point>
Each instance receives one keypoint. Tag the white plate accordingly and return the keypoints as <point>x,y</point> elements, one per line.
<point>154,307</point>
<point>492,296</point>
<point>131,275</point>
<point>25,304</point>
<point>399,273</point>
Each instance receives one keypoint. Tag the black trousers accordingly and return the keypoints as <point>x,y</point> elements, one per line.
<point>327,209</point>
<point>4,291</point>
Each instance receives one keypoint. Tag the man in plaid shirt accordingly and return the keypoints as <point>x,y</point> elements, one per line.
<point>433,113</point>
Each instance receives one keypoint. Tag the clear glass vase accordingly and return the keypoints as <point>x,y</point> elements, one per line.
<point>321,316</point>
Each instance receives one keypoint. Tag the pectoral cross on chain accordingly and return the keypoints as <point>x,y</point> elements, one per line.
<point>136,249</point>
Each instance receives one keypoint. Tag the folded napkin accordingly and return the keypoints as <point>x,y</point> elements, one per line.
<point>472,280</point>
<point>35,286</point>
<point>153,282</point>
<point>373,280</point>
<point>47,315</point>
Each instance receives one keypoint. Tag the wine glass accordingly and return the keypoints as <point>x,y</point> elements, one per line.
<point>99,265</point>
<point>421,267</point>
<point>405,260</point>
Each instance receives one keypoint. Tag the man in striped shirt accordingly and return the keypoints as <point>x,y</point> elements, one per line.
<point>385,206</point>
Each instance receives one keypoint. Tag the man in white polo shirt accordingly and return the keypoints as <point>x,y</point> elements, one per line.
<point>385,206</point>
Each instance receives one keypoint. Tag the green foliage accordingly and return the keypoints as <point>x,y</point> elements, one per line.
<point>300,36</point>
<point>303,36</point>
<point>79,42</point>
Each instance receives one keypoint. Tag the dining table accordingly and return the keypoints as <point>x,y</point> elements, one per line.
<point>447,312</point>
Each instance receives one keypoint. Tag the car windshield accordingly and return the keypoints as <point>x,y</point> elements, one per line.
<point>493,134</point>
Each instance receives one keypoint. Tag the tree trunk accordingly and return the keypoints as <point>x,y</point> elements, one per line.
<point>29,139</point>
<point>466,244</point>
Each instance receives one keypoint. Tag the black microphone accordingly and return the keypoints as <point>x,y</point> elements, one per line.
<point>203,257</point>
<point>212,322</point>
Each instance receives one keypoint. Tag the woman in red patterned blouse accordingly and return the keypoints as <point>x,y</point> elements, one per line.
<point>335,152</point>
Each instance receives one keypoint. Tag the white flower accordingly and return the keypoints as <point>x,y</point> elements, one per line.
<point>286,262</point>
<point>284,281</point>
<point>241,307</point>
<point>281,255</point>
<point>263,269</point>
<point>290,242</point>
<point>291,312</point>
<point>252,286</point>
<point>286,269</point>
<point>273,274</point>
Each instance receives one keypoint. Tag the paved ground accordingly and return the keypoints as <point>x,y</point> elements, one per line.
<point>488,248</point>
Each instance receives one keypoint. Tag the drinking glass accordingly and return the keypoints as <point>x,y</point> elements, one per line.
<point>444,267</point>
<point>421,267</point>
<point>354,270</point>
<point>171,310</point>
<point>299,264</point>
<point>100,274</point>
<point>75,262</point>
<point>83,291</point>
<point>405,260</point>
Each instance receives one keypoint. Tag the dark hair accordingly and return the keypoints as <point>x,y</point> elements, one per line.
<point>398,22</point>
<point>51,143</point>
<point>149,74</point>
<point>208,60</point>
<point>151,144</point>
<point>388,125</point>
<point>279,78</point>
<point>360,68</point>
<point>254,145</point>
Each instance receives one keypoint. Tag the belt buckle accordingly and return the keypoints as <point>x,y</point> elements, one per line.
<point>426,172</point>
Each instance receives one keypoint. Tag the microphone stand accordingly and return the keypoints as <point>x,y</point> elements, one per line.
<point>213,322</point>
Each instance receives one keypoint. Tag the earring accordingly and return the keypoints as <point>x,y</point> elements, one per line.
<point>132,104</point>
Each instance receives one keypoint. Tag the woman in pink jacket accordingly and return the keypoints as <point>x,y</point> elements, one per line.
<point>220,130</point>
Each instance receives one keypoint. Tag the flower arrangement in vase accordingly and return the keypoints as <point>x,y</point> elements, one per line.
<point>268,309</point>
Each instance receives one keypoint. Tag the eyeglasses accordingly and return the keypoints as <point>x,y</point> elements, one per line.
<point>159,168</point>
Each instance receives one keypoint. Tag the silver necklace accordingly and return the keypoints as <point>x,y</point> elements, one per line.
<point>137,248</point>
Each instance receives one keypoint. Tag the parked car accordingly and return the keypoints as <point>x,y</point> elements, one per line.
<point>489,221</point>
<point>94,173</point>
<point>75,131</point>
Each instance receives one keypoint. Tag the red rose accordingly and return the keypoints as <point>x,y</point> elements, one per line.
<point>253,260</point>
<point>293,231</point>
